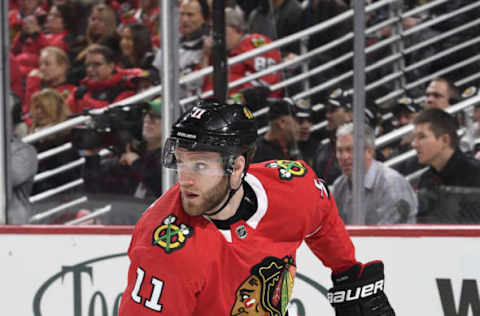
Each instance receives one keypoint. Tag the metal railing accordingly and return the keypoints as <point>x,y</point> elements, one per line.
<point>302,36</point>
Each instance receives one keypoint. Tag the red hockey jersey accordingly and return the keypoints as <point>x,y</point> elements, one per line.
<point>253,65</point>
<point>183,265</point>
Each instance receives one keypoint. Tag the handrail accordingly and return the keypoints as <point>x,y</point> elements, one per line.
<point>441,18</point>
<point>398,133</point>
<point>439,37</point>
<point>41,216</point>
<point>52,172</point>
<point>54,151</point>
<point>424,7</point>
<point>443,71</point>
<point>302,35</point>
<point>277,44</point>
<point>47,131</point>
<point>48,193</point>
<point>442,54</point>
<point>98,212</point>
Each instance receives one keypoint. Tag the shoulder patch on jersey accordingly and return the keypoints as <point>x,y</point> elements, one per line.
<point>323,187</point>
<point>268,288</point>
<point>171,236</point>
<point>288,169</point>
<point>258,41</point>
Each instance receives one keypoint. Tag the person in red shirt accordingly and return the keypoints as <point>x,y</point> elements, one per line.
<point>147,13</point>
<point>223,240</point>
<point>239,42</point>
<point>58,29</point>
<point>22,9</point>
<point>104,84</point>
<point>52,73</point>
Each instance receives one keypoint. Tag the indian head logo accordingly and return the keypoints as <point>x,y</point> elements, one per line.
<point>287,169</point>
<point>171,236</point>
<point>268,288</point>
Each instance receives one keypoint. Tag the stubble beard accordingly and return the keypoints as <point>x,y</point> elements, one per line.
<point>207,201</point>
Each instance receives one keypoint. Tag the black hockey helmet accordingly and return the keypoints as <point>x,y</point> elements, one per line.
<point>210,125</point>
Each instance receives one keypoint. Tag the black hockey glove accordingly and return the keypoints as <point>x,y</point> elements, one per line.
<point>359,291</point>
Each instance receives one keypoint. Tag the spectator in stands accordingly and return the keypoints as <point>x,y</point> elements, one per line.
<point>404,113</point>
<point>281,19</point>
<point>146,80</point>
<point>147,13</point>
<point>101,30</point>
<point>104,84</point>
<point>48,109</point>
<point>305,142</point>
<point>52,73</point>
<point>23,9</point>
<point>58,27</point>
<point>27,45</point>
<point>135,172</point>
<point>389,197</point>
<point>279,141</point>
<point>194,16</point>
<point>24,165</point>
<point>102,27</point>
<point>338,112</point>
<point>436,142</point>
<point>239,42</point>
<point>136,47</point>
<point>441,93</point>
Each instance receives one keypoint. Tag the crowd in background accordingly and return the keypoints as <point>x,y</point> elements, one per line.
<point>69,56</point>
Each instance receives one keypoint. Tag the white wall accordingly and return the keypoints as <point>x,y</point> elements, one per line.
<point>32,265</point>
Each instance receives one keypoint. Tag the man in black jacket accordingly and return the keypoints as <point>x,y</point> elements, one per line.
<point>449,191</point>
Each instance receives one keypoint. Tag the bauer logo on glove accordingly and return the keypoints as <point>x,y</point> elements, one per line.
<point>354,294</point>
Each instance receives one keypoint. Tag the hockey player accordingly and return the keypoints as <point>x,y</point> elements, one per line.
<point>223,241</point>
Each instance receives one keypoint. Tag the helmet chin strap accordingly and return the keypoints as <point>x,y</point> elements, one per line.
<point>230,195</point>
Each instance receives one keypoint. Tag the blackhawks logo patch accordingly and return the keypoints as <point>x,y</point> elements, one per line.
<point>171,236</point>
<point>287,169</point>
<point>258,41</point>
<point>268,288</point>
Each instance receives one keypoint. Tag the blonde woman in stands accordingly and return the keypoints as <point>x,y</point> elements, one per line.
<point>48,109</point>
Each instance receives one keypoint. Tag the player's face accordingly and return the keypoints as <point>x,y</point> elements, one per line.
<point>429,147</point>
<point>203,184</point>
<point>248,301</point>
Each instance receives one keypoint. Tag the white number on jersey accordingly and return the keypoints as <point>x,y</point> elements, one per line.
<point>153,301</point>
<point>261,63</point>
